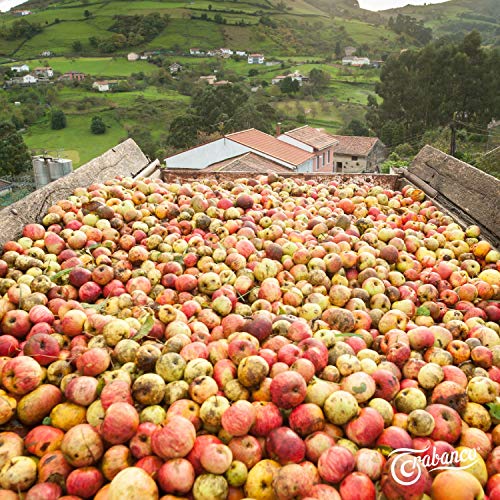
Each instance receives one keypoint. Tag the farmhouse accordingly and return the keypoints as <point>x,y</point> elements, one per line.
<point>210,79</point>
<point>23,68</point>
<point>234,145</point>
<point>46,72</point>
<point>21,12</point>
<point>355,61</point>
<point>241,53</point>
<point>295,76</point>
<point>195,52</point>
<point>358,154</point>
<point>72,75</point>
<point>175,68</point>
<point>132,56</point>
<point>46,53</point>
<point>315,141</point>
<point>256,59</point>
<point>104,85</point>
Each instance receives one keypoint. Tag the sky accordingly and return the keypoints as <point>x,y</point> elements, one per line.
<point>392,4</point>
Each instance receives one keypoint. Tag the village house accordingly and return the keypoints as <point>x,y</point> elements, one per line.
<point>355,61</point>
<point>104,85</point>
<point>274,154</point>
<point>226,52</point>
<point>315,141</point>
<point>175,68</point>
<point>73,75</point>
<point>241,53</point>
<point>147,55</point>
<point>132,56</point>
<point>210,79</point>
<point>295,76</point>
<point>21,80</point>
<point>353,154</point>
<point>46,72</point>
<point>195,52</point>
<point>256,59</point>
<point>46,53</point>
<point>221,82</point>
<point>21,13</point>
<point>23,68</point>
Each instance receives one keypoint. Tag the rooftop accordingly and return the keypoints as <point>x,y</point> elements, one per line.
<point>314,137</point>
<point>271,146</point>
<point>354,145</point>
<point>248,162</point>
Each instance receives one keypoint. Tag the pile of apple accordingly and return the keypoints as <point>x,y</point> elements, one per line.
<point>266,338</point>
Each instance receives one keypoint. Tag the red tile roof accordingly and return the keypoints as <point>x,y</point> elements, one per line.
<point>248,162</point>
<point>314,137</point>
<point>271,146</point>
<point>354,145</point>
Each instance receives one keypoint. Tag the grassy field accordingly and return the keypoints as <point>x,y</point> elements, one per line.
<point>95,66</point>
<point>75,141</point>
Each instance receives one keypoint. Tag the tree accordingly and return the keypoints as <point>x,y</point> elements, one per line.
<point>289,86</point>
<point>86,13</point>
<point>183,131</point>
<point>97,126</point>
<point>319,79</point>
<point>253,72</point>
<point>14,154</point>
<point>58,120</point>
<point>355,127</point>
<point>77,46</point>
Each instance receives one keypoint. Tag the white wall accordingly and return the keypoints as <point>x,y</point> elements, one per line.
<point>295,142</point>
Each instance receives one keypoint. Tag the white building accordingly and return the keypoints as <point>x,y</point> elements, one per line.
<point>29,79</point>
<point>46,53</point>
<point>256,59</point>
<point>295,76</point>
<point>355,61</point>
<point>104,85</point>
<point>24,68</point>
<point>226,52</point>
<point>47,72</point>
<point>195,52</point>
<point>175,68</point>
<point>241,53</point>
<point>132,56</point>
<point>210,79</point>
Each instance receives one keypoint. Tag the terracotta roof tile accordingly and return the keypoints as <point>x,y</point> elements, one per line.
<point>318,139</point>
<point>248,162</point>
<point>354,145</point>
<point>271,146</point>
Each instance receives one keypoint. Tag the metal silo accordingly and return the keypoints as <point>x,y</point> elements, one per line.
<point>40,171</point>
<point>55,169</point>
<point>67,166</point>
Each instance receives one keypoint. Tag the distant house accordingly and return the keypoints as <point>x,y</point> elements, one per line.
<point>132,56</point>
<point>104,85</point>
<point>221,82</point>
<point>355,61</point>
<point>147,55</point>
<point>315,141</point>
<point>213,53</point>
<point>46,72</point>
<point>73,75</point>
<point>354,154</point>
<point>46,53</point>
<point>350,51</point>
<point>175,68</point>
<point>23,68</point>
<point>29,79</point>
<point>295,76</point>
<point>256,59</point>
<point>195,52</point>
<point>21,12</point>
<point>241,53</point>
<point>210,79</point>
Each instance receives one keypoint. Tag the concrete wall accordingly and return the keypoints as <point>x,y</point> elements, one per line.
<point>126,159</point>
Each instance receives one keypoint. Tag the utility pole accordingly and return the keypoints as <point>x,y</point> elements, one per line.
<point>453,141</point>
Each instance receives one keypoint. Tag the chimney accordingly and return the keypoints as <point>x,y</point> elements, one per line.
<point>278,129</point>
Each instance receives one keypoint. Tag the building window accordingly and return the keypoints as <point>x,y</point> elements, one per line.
<point>328,156</point>
<point>324,155</point>
<point>339,166</point>
<point>317,162</point>
<point>354,158</point>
